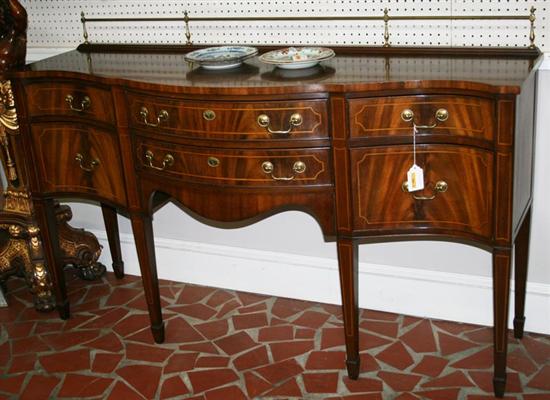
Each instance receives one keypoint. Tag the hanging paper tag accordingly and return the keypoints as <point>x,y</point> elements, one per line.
<point>415,178</point>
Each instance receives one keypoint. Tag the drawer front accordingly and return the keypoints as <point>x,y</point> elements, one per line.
<point>235,167</point>
<point>70,99</point>
<point>449,115</point>
<point>458,191</point>
<point>230,120</point>
<point>79,160</point>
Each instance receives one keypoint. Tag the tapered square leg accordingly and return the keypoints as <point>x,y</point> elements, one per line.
<point>348,269</point>
<point>501,293</point>
<point>47,223</point>
<point>142,226</point>
<point>113,237</point>
<point>521,259</point>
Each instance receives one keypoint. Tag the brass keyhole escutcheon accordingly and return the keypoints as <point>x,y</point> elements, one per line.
<point>213,162</point>
<point>209,115</point>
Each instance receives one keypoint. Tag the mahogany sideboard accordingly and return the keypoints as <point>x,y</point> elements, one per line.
<point>132,130</point>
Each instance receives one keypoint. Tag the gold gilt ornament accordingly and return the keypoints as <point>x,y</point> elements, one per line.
<point>8,114</point>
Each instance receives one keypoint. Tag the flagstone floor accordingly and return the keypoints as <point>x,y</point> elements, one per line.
<point>226,345</point>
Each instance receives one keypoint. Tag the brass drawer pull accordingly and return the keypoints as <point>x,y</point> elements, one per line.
<point>161,117</point>
<point>80,158</point>
<point>294,120</point>
<point>167,161</point>
<point>440,187</point>
<point>298,167</point>
<point>441,115</point>
<point>85,104</point>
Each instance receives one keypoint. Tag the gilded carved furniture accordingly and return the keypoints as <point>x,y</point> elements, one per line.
<point>20,243</point>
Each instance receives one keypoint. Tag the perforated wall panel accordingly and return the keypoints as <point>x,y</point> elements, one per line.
<point>56,23</point>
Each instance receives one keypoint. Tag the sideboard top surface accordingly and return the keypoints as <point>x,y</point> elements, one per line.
<point>344,72</point>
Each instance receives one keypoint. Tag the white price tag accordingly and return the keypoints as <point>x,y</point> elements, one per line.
<point>415,178</point>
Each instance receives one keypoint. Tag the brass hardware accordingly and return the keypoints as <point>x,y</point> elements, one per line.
<point>161,117</point>
<point>209,115</point>
<point>84,30</point>
<point>267,167</point>
<point>441,115</point>
<point>80,158</point>
<point>294,120</point>
<point>187,31</point>
<point>440,187</point>
<point>213,162</point>
<point>263,120</point>
<point>386,18</point>
<point>407,115</point>
<point>532,19</point>
<point>298,167</point>
<point>85,104</point>
<point>167,161</point>
<point>386,28</point>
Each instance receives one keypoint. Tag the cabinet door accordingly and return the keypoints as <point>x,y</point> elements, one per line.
<point>80,160</point>
<point>458,193</point>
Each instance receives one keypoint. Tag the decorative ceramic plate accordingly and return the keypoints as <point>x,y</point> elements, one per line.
<point>317,72</point>
<point>297,57</point>
<point>222,57</point>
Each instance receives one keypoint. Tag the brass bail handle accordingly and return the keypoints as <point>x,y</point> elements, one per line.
<point>161,117</point>
<point>80,158</point>
<point>439,187</point>
<point>441,115</point>
<point>85,103</point>
<point>167,161</point>
<point>294,120</point>
<point>298,167</point>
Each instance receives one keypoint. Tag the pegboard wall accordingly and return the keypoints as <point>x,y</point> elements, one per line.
<point>56,23</point>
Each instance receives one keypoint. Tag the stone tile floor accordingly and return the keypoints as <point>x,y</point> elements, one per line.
<point>226,345</point>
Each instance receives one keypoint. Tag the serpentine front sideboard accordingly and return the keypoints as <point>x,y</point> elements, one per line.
<point>133,130</point>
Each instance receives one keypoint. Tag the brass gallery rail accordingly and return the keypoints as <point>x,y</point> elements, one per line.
<point>386,18</point>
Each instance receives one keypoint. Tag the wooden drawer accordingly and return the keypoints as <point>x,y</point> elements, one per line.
<point>382,204</point>
<point>449,115</point>
<point>235,167</point>
<point>70,99</point>
<point>229,120</point>
<point>79,160</point>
